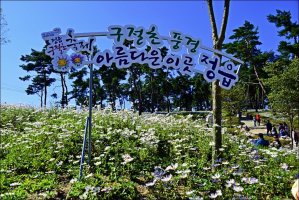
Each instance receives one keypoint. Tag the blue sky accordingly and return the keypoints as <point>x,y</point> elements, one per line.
<point>27,20</point>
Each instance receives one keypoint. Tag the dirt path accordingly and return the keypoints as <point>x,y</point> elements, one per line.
<point>255,130</point>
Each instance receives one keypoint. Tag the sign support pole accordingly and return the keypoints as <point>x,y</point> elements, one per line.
<point>83,148</point>
<point>90,113</point>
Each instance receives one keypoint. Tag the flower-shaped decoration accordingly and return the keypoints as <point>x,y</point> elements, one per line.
<point>61,63</point>
<point>77,60</point>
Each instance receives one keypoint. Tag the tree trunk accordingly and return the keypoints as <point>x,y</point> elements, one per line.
<point>291,119</point>
<point>216,90</point>
<point>95,95</point>
<point>124,103</point>
<point>140,102</point>
<point>101,102</point>
<point>263,103</point>
<point>217,116</point>
<point>152,93</point>
<point>45,88</point>
<point>168,104</point>
<point>45,97</point>
<point>247,98</point>
<point>137,88</point>
<point>139,96</point>
<point>259,80</point>
<point>256,99</point>
<point>41,98</point>
<point>114,102</point>
<point>136,93</point>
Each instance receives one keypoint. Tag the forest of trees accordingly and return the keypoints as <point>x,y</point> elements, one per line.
<point>265,78</point>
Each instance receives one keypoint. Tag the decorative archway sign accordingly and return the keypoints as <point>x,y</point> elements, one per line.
<point>66,53</point>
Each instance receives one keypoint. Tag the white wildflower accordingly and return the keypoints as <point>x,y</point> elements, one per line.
<point>216,176</point>
<point>73,180</point>
<point>89,175</point>
<point>213,195</point>
<point>238,188</point>
<point>206,168</point>
<point>190,192</point>
<point>15,184</point>
<point>184,164</point>
<point>167,178</point>
<point>151,183</point>
<point>43,194</point>
<point>284,166</point>
<point>127,158</point>
<point>219,193</point>
<point>235,166</point>
<point>184,175</point>
<point>212,143</point>
<point>60,163</point>
<point>172,167</point>
<point>97,163</point>
<point>230,182</point>
<point>106,189</point>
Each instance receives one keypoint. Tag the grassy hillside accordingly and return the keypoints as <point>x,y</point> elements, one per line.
<point>133,157</point>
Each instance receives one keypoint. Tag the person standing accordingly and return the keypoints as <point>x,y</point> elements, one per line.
<point>280,127</point>
<point>258,119</point>
<point>269,127</point>
<point>286,129</point>
<point>295,137</point>
<point>274,131</point>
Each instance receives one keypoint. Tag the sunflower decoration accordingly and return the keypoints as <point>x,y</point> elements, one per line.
<point>77,60</point>
<point>61,63</point>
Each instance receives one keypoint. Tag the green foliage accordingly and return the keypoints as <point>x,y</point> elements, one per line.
<point>201,92</point>
<point>290,30</point>
<point>284,86</point>
<point>245,45</point>
<point>234,100</point>
<point>111,77</point>
<point>80,87</point>
<point>38,63</point>
<point>183,92</point>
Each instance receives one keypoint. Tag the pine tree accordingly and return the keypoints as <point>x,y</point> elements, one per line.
<point>244,45</point>
<point>111,77</point>
<point>40,64</point>
<point>290,30</point>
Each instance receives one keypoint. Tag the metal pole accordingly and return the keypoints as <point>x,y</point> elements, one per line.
<point>90,113</point>
<point>83,148</point>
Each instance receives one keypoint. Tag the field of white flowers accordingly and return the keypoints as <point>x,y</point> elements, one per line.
<point>133,157</point>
